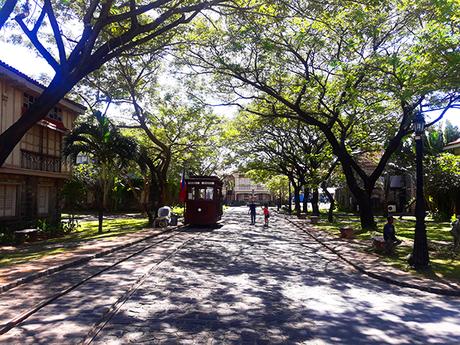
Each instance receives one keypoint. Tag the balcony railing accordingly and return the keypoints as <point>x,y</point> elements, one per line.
<point>250,188</point>
<point>39,161</point>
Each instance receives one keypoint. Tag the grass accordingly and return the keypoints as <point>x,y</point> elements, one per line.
<point>87,231</point>
<point>444,263</point>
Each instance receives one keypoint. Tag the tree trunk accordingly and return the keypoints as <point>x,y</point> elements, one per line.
<point>289,199</point>
<point>330,213</point>
<point>155,198</point>
<point>366,213</point>
<point>363,199</point>
<point>297,200</point>
<point>100,217</point>
<point>100,210</point>
<point>306,194</point>
<point>314,202</point>
<point>150,216</point>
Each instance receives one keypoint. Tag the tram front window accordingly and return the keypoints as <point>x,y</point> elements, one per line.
<point>203,193</point>
<point>209,193</point>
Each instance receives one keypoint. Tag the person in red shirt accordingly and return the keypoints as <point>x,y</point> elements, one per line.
<point>266,214</point>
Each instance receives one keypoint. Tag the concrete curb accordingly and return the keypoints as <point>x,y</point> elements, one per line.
<point>85,259</point>
<point>437,291</point>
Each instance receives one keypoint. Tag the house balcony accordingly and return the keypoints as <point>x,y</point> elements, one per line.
<point>38,161</point>
<point>250,188</point>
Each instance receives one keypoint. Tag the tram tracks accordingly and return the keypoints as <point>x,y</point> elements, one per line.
<point>30,311</point>
<point>92,334</point>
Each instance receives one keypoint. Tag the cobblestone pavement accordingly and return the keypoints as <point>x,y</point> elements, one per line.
<point>77,250</point>
<point>68,319</point>
<point>361,253</point>
<point>244,284</point>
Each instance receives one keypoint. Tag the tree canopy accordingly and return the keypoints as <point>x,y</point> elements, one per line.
<point>98,32</point>
<point>353,70</point>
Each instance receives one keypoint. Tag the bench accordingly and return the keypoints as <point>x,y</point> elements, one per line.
<point>347,232</point>
<point>21,235</point>
<point>314,219</point>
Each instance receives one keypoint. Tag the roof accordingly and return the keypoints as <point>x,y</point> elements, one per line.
<point>32,84</point>
<point>452,145</point>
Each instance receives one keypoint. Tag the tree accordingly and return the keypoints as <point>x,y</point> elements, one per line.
<point>175,131</point>
<point>278,185</point>
<point>440,184</point>
<point>443,184</point>
<point>274,146</point>
<point>108,152</point>
<point>108,29</point>
<point>350,69</point>
<point>6,10</point>
<point>451,133</point>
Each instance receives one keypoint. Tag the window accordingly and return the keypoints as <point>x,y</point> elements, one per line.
<point>201,193</point>
<point>43,200</point>
<point>28,100</point>
<point>8,195</point>
<point>55,113</point>
<point>209,193</point>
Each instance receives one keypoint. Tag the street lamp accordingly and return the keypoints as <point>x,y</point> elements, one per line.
<point>419,258</point>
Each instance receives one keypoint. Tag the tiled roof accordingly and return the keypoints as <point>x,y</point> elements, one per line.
<point>36,83</point>
<point>22,75</point>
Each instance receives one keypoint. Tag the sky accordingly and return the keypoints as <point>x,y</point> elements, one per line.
<point>28,62</point>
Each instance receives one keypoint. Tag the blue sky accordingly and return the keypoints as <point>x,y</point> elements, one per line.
<point>27,61</point>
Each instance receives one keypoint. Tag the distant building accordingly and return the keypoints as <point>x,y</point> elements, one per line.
<point>453,147</point>
<point>32,175</point>
<point>394,191</point>
<point>239,189</point>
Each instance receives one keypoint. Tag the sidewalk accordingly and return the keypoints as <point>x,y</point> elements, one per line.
<point>352,252</point>
<point>14,275</point>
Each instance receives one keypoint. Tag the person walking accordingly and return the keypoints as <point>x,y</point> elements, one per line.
<point>266,215</point>
<point>252,211</point>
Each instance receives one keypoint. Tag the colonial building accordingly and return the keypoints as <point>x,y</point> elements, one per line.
<point>31,177</point>
<point>239,189</point>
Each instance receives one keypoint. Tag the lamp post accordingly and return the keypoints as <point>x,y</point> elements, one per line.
<point>419,258</point>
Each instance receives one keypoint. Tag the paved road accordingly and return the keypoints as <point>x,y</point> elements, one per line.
<point>242,284</point>
<point>68,320</point>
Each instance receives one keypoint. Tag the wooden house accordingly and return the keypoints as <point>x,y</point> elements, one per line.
<point>34,172</point>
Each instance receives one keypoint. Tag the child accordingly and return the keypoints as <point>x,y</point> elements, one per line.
<point>266,214</point>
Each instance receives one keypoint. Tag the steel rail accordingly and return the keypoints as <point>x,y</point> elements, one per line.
<point>26,314</point>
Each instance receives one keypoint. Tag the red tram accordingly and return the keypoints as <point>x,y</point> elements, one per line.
<point>203,204</point>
